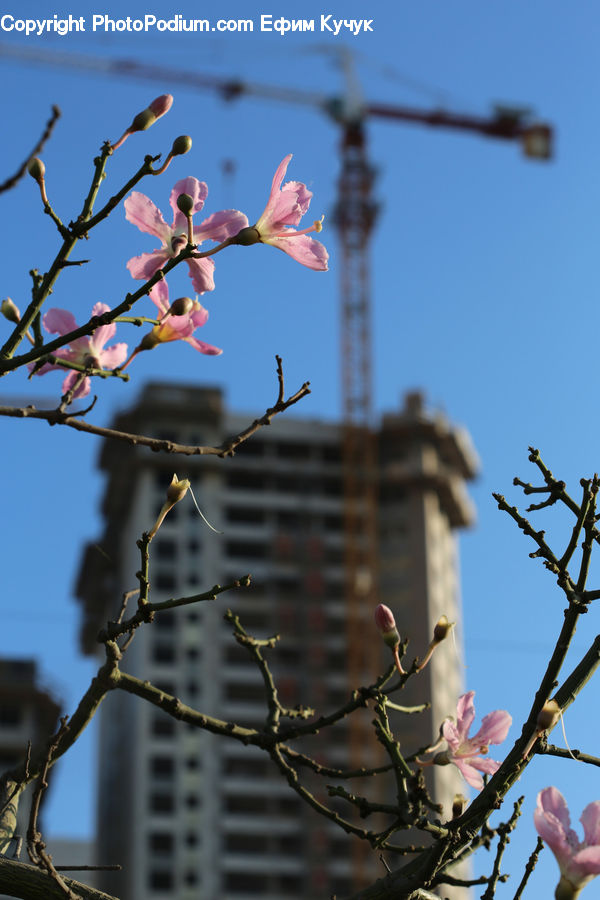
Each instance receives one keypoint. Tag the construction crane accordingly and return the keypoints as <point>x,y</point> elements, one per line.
<point>355,216</point>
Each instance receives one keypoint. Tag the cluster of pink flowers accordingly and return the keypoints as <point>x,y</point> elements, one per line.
<point>285,208</point>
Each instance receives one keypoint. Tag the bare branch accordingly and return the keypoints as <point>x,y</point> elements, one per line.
<point>12,181</point>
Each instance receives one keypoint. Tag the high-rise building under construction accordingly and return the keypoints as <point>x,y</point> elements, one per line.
<point>193,815</point>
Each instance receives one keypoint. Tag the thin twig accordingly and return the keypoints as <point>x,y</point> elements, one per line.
<point>531,864</point>
<point>12,181</point>
<point>227,448</point>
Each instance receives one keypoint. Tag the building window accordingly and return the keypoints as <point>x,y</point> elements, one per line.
<point>192,762</point>
<point>248,549</point>
<point>163,653</point>
<point>242,691</point>
<point>248,514</point>
<point>161,842</point>
<point>165,619</point>
<point>250,448</point>
<point>164,581</point>
<point>162,766</point>
<point>191,839</point>
<point>332,454</point>
<point>293,450</point>
<point>165,549</point>
<point>161,803</point>
<point>246,843</point>
<point>246,803</point>
<point>256,768</point>
<point>236,654</point>
<point>248,481</point>
<point>191,878</point>
<point>192,801</point>
<point>161,880</point>
<point>10,714</point>
<point>163,726</point>
<point>246,883</point>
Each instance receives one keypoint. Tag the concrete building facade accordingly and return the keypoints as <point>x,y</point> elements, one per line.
<point>191,815</point>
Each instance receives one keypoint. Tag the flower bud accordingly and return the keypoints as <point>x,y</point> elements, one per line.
<point>10,311</point>
<point>182,306</point>
<point>148,116</point>
<point>175,492</point>
<point>177,489</point>
<point>384,619</point>
<point>247,236</point>
<point>441,759</point>
<point>142,121</point>
<point>36,169</point>
<point>458,805</point>
<point>181,145</point>
<point>548,716</point>
<point>161,105</point>
<point>148,342</point>
<point>442,629</point>
<point>185,204</point>
<point>566,890</point>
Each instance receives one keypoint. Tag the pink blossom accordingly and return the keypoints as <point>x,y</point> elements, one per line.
<point>83,350</point>
<point>464,751</point>
<point>578,862</point>
<point>384,619</point>
<point>141,211</point>
<point>285,207</point>
<point>174,327</point>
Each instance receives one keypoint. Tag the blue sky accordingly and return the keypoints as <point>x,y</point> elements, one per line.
<point>485,283</point>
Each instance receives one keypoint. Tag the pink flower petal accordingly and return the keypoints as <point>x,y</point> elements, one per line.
<point>494,728</point>
<point>303,249</point>
<point>59,321</point>
<point>585,863</point>
<point>175,328</point>
<point>143,267</point>
<point>141,211</point>
<point>83,389</point>
<point>199,317</point>
<point>450,733</point>
<point>469,773</point>
<point>276,183</point>
<point>484,764</point>
<point>590,819</point>
<point>201,273</point>
<point>552,822</point>
<point>102,334</point>
<point>113,356</point>
<point>220,226</point>
<point>208,349</point>
<point>465,713</point>
<point>197,190</point>
<point>159,295</point>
